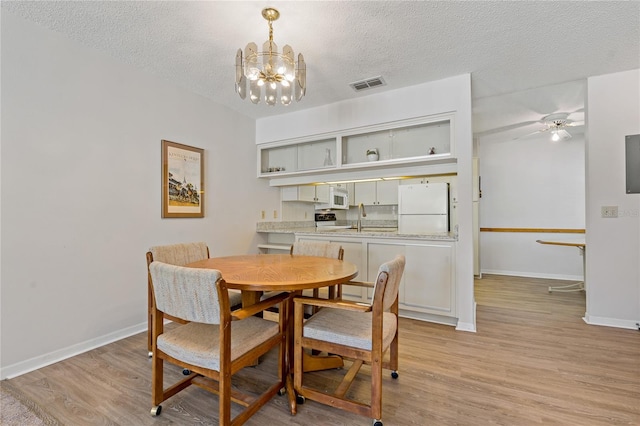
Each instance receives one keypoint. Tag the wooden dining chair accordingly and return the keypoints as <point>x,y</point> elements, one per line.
<point>215,343</point>
<point>319,249</point>
<point>178,254</point>
<point>355,331</point>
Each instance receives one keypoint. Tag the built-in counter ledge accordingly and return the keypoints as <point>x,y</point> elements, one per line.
<point>284,227</point>
<point>309,229</point>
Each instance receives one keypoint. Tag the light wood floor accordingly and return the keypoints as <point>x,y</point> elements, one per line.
<point>533,361</point>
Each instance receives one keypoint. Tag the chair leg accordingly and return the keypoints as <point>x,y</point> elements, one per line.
<point>225,399</point>
<point>376,387</point>
<point>150,319</point>
<point>393,354</point>
<point>150,336</point>
<point>157,363</point>
<point>157,381</point>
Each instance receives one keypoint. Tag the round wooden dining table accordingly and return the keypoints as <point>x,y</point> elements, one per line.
<point>255,274</point>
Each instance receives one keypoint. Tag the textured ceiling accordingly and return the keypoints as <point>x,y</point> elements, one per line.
<point>508,47</point>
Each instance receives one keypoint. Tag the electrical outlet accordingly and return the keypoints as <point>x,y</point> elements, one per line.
<point>263,214</point>
<point>609,211</point>
<point>275,214</point>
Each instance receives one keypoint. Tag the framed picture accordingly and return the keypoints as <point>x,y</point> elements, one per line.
<point>182,180</point>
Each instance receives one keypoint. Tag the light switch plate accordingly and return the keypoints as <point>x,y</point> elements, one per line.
<point>609,211</point>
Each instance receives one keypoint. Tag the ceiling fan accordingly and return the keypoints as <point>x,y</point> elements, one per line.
<point>556,124</point>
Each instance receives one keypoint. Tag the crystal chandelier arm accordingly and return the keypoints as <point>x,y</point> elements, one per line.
<point>241,80</point>
<point>301,78</point>
<point>254,91</point>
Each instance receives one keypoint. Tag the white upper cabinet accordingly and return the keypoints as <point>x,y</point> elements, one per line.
<point>308,193</point>
<point>379,193</point>
<point>414,141</point>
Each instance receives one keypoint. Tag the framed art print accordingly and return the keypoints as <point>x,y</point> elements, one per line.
<point>182,180</point>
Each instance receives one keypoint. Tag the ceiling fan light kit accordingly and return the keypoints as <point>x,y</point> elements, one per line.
<point>556,123</point>
<point>281,77</point>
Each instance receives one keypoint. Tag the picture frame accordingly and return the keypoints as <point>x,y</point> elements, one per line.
<point>182,180</point>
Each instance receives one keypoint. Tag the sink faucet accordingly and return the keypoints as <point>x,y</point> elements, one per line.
<point>361,214</point>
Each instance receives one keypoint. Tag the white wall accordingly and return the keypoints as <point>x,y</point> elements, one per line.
<point>81,192</point>
<point>613,245</point>
<point>531,183</point>
<point>448,95</point>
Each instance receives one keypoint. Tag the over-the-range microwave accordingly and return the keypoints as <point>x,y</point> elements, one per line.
<point>338,199</point>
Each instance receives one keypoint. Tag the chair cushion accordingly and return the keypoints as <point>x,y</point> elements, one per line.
<point>349,328</point>
<point>199,344</point>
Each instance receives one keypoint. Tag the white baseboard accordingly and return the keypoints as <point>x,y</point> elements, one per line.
<point>533,275</point>
<point>421,316</point>
<point>23,367</point>
<point>466,326</point>
<point>611,322</point>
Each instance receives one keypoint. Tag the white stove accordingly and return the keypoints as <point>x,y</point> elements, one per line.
<point>328,221</point>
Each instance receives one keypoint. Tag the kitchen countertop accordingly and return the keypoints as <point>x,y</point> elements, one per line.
<point>306,228</point>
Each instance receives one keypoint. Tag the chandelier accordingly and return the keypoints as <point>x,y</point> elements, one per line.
<point>276,73</point>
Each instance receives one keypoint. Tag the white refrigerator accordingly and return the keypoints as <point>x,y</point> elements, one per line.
<point>423,208</point>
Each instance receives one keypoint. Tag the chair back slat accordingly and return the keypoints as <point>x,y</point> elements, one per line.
<point>180,254</point>
<point>317,248</point>
<point>187,293</point>
<point>394,270</point>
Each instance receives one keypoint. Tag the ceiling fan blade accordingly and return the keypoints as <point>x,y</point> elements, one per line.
<point>529,134</point>
<point>504,128</point>
<point>575,123</point>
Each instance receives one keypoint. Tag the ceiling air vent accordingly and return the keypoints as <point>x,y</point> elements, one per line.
<point>369,83</point>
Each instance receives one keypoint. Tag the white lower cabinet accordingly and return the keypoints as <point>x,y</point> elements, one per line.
<point>377,254</point>
<point>353,253</point>
<point>428,286</point>
<point>430,281</point>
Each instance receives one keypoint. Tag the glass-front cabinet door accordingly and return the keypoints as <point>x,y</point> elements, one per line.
<point>428,140</point>
<point>298,157</point>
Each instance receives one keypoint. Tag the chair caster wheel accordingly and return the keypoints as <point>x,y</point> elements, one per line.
<point>300,399</point>
<point>186,371</point>
<point>155,411</point>
<point>377,423</point>
<point>282,391</point>
<point>394,374</point>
